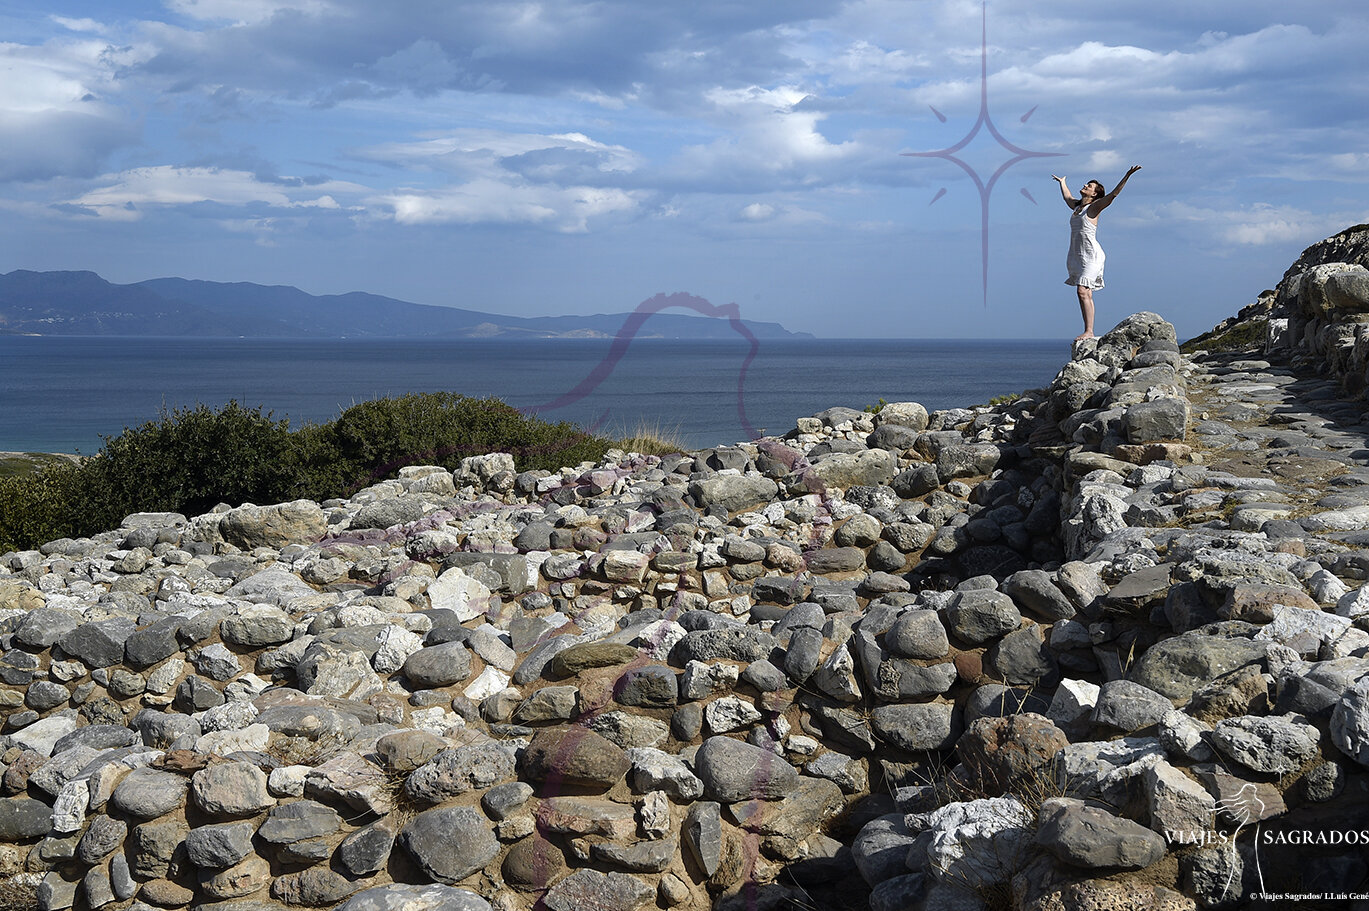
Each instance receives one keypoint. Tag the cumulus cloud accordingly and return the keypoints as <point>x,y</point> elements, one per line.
<point>54,120</point>
<point>768,139</point>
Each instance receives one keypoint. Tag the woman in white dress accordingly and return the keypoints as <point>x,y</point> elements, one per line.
<point>1085,260</point>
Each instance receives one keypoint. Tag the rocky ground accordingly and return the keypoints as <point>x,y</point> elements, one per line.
<point>1103,646</point>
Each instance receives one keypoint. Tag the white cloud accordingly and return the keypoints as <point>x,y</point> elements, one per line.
<point>54,77</point>
<point>1104,160</point>
<point>128,195</point>
<point>469,150</point>
<point>54,116</point>
<point>486,201</point>
<point>78,25</point>
<point>758,211</point>
<point>1260,224</point>
<point>767,136</point>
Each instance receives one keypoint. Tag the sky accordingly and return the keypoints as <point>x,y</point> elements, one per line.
<point>581,156</point>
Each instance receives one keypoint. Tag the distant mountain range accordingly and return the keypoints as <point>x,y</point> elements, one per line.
<point>83,303</point>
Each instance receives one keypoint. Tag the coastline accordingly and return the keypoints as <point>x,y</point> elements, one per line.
<point>1077,647</point>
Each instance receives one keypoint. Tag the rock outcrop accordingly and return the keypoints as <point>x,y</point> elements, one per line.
<point>1061,652</point>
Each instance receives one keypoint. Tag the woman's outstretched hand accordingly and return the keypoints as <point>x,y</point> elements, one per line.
<point>1133,169</point>
<point>1057,178</point>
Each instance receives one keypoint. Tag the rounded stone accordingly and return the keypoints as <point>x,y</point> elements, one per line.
<point>438,665</point>
<point>654,686</point>
<point>533,864</point>
<point>148,793</point>
<point>997,754</point>
<point>231,789</point>
<point>404,751</point>
<point>474,766</point>
<point>574,756</point>
<point>732,770</point>
<point>918,634</point>
<point>917,726</point>
<point>982,615</point>
<point>589,655</point>
<point>449,843</point>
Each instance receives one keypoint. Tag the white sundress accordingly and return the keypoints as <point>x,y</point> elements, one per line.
<point>1085,260</point>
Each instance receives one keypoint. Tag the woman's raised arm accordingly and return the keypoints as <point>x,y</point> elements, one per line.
<point>1106,199</point>
<point>1065,192</point>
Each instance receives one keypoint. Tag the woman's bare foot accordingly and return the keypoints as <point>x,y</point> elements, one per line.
<point>1083,335</point>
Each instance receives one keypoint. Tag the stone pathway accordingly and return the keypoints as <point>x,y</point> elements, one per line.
<point>1293,433</point>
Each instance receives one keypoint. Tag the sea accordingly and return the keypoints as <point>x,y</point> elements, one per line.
<point>64,394</point>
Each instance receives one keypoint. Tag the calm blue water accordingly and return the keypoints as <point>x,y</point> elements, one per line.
<point>63,394</point>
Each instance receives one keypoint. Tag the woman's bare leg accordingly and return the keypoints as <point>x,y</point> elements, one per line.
<point>1085,308</point>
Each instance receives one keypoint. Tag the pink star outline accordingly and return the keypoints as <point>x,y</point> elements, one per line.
<point>985,121</point>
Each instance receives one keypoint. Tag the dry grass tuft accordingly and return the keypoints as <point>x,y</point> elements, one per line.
<point>19,893</point>
<point>653,438</point>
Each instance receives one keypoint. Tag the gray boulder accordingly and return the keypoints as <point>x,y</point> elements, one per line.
<point>732,770</point>
<point>1085,836</point>
<point>982,615</point>
<point>880,850</point>
<point>1161,419</point>
<point>1266,744</point>
<point>452,772</point>
<point>1129,706</point>
<point>219,846</point>
<point>1179,666</point>
<point>915,727</point>
<point>1035,590</point>
<point>449,843</point>
<point>148,793</point>
<point>918,634</point>
<point>438,665</point>
<point>732,492</point>
<point>1350,722</point>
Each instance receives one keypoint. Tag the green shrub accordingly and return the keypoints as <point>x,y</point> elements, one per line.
<point>373,440</point>
<point>40,507</point>
<point>190,459</point>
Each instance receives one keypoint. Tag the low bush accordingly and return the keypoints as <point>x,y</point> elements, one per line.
<point>187,461</point>
<point>374,439</point>
<point>190,459</point>
<point>39,507</point>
